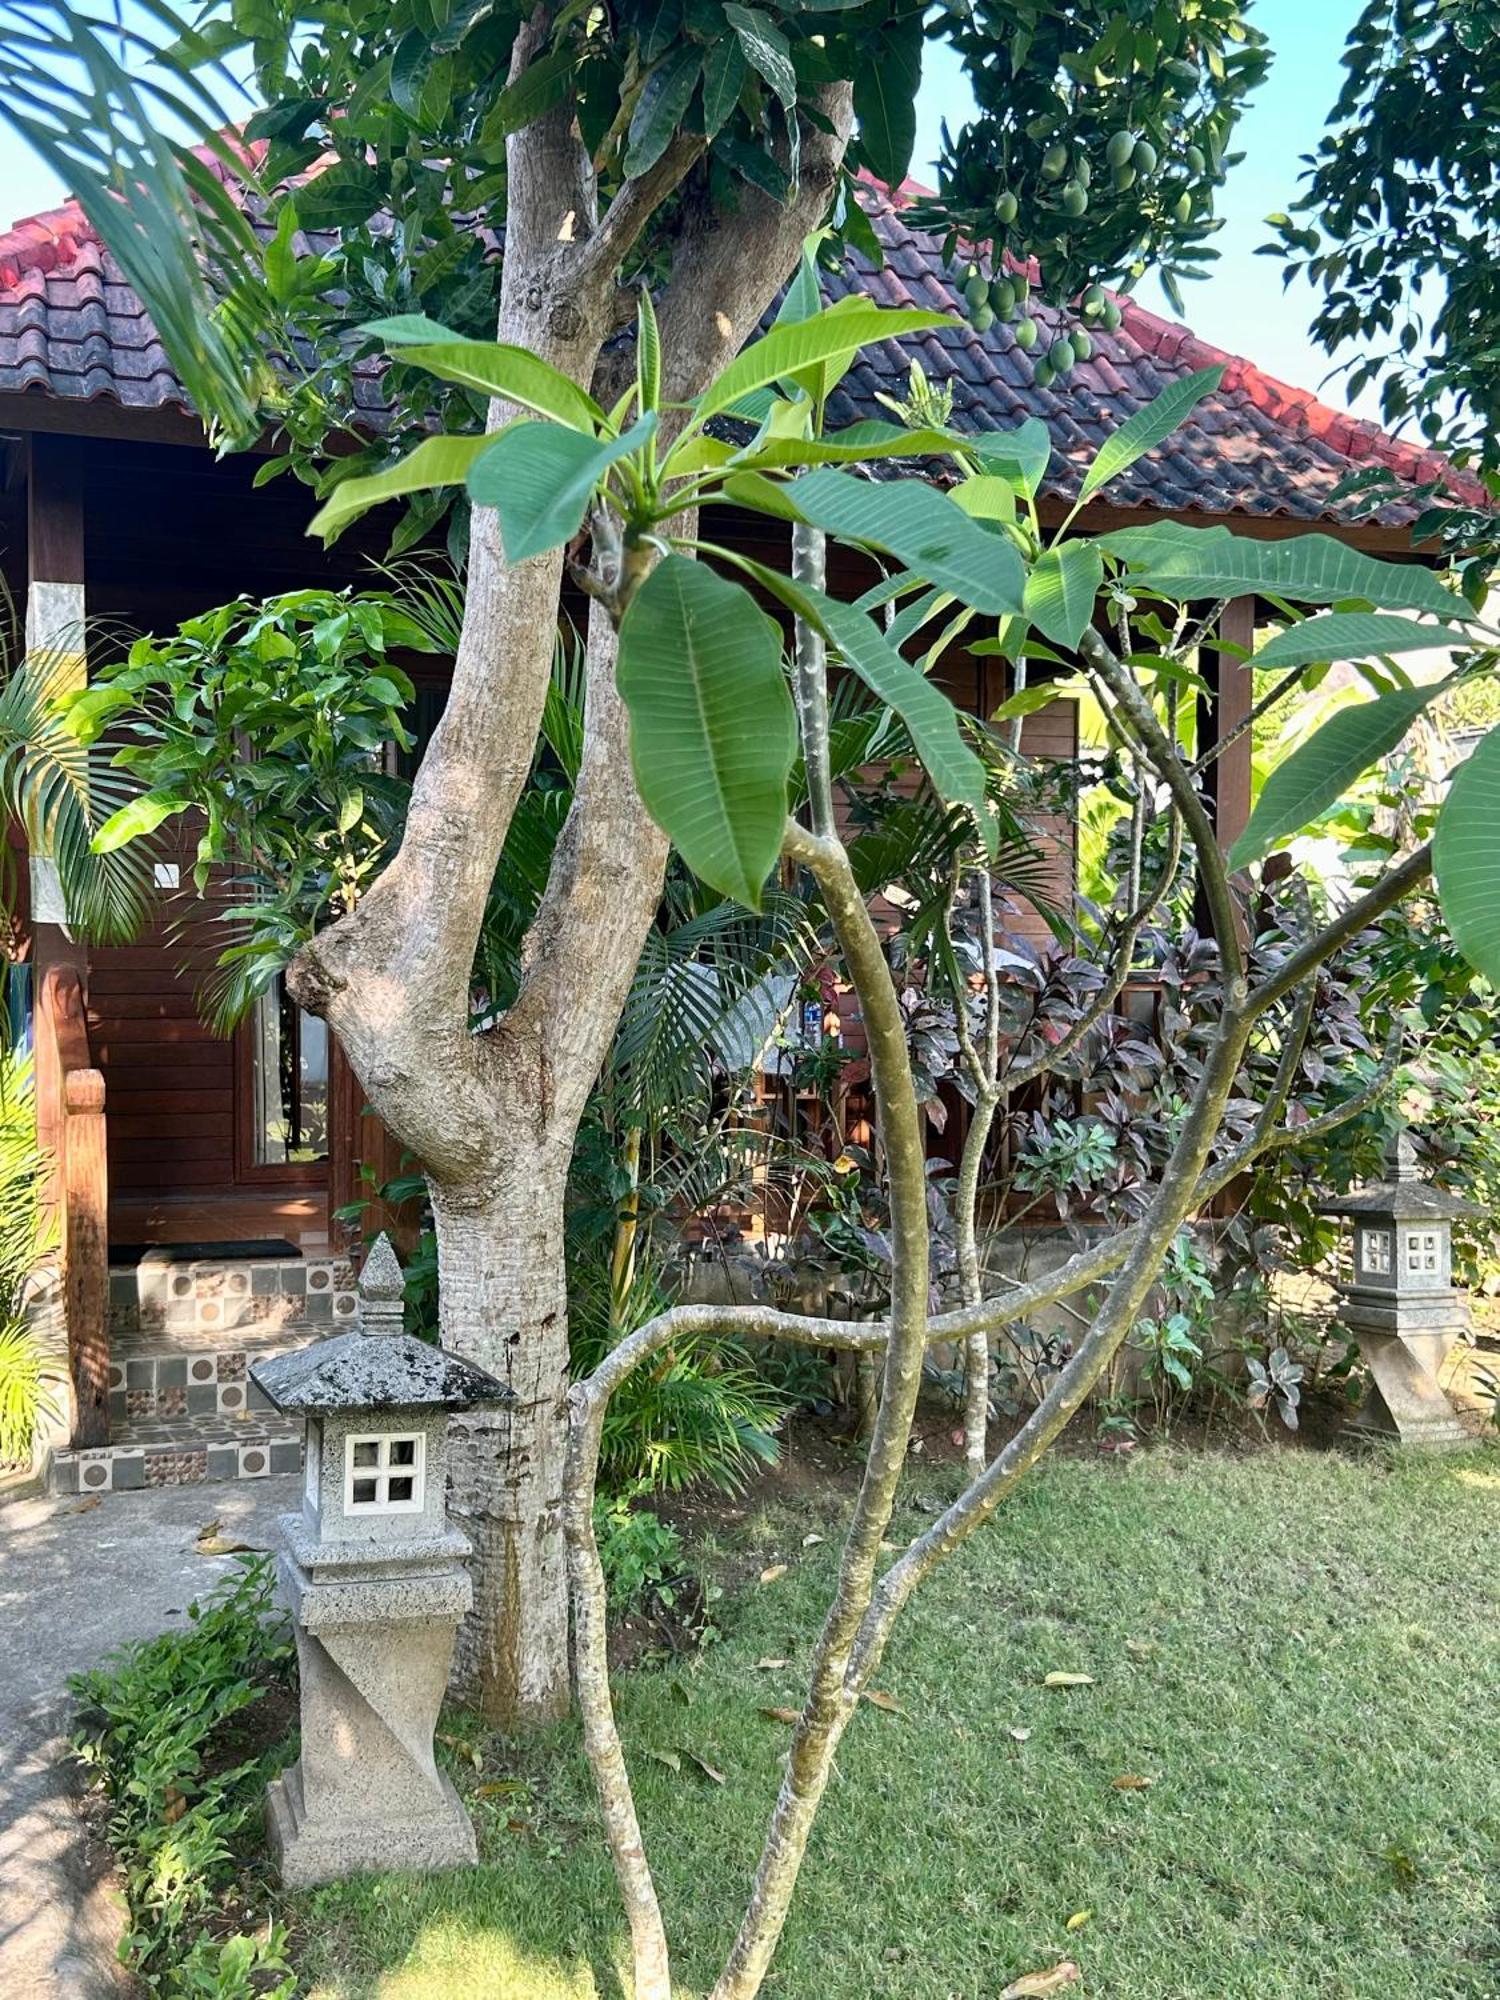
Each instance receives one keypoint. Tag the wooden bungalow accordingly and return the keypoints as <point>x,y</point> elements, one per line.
<point>196,1175</point>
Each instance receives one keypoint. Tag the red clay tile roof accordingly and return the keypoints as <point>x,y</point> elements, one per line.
<point>70,328</point>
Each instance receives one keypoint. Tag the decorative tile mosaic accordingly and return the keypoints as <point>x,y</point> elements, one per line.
<point>182,1409</point>
<point>197,1303</point>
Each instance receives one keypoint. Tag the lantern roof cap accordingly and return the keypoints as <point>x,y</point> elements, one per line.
<point>352,1372</point>
<point>1404,1195</point>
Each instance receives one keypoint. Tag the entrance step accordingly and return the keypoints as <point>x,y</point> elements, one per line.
<point>189,1451</point>
<point>197,1304</point>
<point>182,1409</point>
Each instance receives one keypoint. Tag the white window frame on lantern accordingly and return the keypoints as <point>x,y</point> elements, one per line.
<point>1375,1251</point>
<point>1423,1253</point>
<point>378,1459</point>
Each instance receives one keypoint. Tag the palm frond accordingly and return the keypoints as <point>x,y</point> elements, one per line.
<point>87,88</point>
<point>61,791</point>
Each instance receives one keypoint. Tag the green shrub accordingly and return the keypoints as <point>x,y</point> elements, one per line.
<point>29,1391</point>
<point>641,1554</point>
<point>155,1723</point>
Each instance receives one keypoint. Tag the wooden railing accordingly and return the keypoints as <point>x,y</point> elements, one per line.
<point>70,1127</point>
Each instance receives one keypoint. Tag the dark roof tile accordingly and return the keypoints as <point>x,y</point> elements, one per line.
<point>71,328</point>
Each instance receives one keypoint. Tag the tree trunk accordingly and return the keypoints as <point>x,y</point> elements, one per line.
<point>501,1271</point>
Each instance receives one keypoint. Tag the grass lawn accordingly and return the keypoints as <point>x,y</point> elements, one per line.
<point>1301,1651</point>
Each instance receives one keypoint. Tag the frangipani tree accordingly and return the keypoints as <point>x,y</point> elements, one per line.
<point>491,170</point>
<point>717,716</point>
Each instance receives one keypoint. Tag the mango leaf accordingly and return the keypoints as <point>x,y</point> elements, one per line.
<point>1465,857</point>
<point>766,50</point>
<point>1320,771</point>
<point>1062,589</point>
<point>923,529</point>
<point>140,816</point>
<point>956,773</point>
<point>712,731</point>
<point>410,330</point>
<point>341,197</point>
<point>539,478</point>
<point>437,461</point>
<point>786,349</point>
<point>1020,457</point>
<point>885,100</point>
<point>540,85</point>
<point>1186,563</point>
<point>496,368</point>
<point>724,69</point>
<point>647,354</point>
<point>1027,700</point>
<point>1352,635</point>
<point>1148,428</point>
<point>661,106</point>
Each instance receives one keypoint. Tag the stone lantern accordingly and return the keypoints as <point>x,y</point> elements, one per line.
<point>377,1584</point>
<point>1401,1306</point>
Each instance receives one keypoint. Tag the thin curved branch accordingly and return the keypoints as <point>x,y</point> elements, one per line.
<point>1169,767</point>
<point>1124,951</point>
<point>1348,924</point>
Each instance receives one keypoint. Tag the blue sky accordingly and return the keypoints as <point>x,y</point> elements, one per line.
<point>1241,306</point>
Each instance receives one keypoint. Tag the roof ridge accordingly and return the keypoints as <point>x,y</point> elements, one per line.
<point>1296,409</point>
<point>43,241</point>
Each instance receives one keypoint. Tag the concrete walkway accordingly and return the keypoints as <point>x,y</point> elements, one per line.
<point>77,1579</point>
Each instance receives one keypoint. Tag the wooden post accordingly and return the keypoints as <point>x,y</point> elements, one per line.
<point>70,1109</point>
<point>87,1270</point>
<point>55,608</point>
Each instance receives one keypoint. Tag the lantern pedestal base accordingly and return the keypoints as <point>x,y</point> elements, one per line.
<point>308,1851</point>
<point>1405,1404</point>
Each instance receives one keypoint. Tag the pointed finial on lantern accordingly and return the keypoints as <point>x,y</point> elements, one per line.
<point>1402,1162</point>
<point>382,1289</point>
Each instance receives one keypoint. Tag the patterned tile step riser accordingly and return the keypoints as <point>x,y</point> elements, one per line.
<point>208,1457</point>
<point>187,1305</point>
<point>202,1383</point>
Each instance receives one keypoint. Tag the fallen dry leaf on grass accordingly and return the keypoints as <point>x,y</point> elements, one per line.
<point>788,1715</point>
<point>500,1788</point>
<point>1132,1781</point>
<point>668,1757</point>
<point>86,1506</point>
<point>1020,1735</point>
<point>771,1666</point>
<point>887,1703</point>
<point>1068,1681</point>
<point>774,1573</point>
<point>1078,1919</point>
<point>811,1541</point>
<point>1140,1649</point>
<point>703,1765</point>
<point>461,1749</point>
<point>1038,1985</point>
